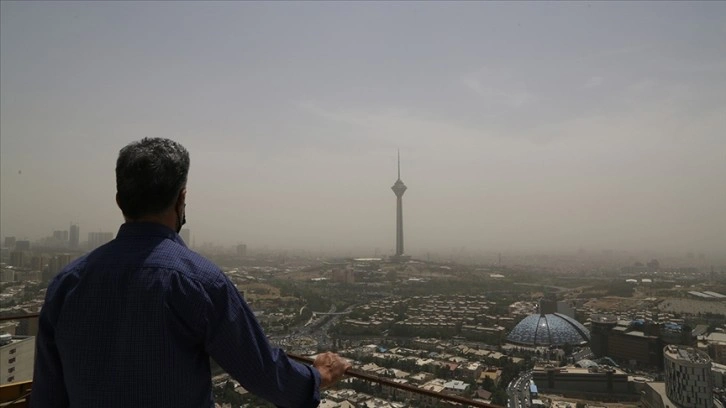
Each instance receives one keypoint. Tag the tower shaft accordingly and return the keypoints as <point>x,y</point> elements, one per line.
<point>399,225</point>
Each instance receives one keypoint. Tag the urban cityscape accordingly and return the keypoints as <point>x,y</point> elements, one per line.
<point>476,204</point>
<point>574,331</point>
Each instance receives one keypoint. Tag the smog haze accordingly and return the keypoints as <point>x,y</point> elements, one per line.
<point>521,126</point>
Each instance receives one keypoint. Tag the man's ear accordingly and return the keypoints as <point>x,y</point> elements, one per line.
<point>181,199</point>
<point>118,203</point>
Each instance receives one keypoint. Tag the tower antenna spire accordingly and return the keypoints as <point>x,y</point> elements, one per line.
<point>399,163</point>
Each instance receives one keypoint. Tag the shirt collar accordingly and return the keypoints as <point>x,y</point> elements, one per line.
<point>136,229</point>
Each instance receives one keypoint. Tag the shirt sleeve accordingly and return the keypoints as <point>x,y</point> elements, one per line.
<point>48,389</point>
<point>234,339</point>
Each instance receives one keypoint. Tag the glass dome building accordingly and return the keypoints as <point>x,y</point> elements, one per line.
<point>552,329</point>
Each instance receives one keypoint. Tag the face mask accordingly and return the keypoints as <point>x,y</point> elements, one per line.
<point>181,221</point>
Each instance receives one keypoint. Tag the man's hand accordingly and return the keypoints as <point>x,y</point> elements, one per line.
<point>332,367</point>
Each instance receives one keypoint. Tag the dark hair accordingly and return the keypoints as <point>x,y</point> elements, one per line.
<point>150,173</point>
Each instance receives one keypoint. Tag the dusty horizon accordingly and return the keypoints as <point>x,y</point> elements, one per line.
<point>522,127</point>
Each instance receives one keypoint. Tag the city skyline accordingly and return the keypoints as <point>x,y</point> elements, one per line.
<point>525,126</point>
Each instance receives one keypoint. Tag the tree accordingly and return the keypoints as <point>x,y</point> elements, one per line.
<point>488,384</point>
<point>499,397</point>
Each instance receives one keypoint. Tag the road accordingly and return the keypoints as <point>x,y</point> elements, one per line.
<point>311,329</point>
<point>518,391</point>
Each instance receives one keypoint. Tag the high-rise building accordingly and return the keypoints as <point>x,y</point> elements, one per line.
<point>9,242</point>
<point>74,236</point>
<point>186,236</point>
<point>37,262</point>
<point>242,250</point>
<point>55,265</point>
<point>64,259</point>
<point>22,245</point>
<point>688,378</point>
<point>7,275</point>
<point>60,236</point>
<point>59,239</point>
<point>17,355</point>
<point>638,342</point>
<point>96,239</point>
<point>399,188</point>
<point>601,326</point>
<point>17,259</point>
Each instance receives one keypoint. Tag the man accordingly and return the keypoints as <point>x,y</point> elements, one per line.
<point>134,322</point>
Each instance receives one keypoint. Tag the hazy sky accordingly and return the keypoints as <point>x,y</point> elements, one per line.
<point>521,125</point>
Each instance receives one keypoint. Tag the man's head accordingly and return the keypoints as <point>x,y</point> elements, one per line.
<point>151,178</point>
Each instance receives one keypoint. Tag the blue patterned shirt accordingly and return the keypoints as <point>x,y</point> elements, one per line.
<point>133,324</point>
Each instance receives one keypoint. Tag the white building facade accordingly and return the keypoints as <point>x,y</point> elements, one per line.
<point>17,355</point>
<point>688,377</point>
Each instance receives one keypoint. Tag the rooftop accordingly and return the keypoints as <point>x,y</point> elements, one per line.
<point>549,329</point>
<point>687,354</point>
<point>6,341</point>
<point>578,370</point>
<point>707,294</point>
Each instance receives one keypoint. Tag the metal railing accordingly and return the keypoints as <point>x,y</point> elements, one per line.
<point>19,317</point>
<point>19,393</point>
<point>406,387</point>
